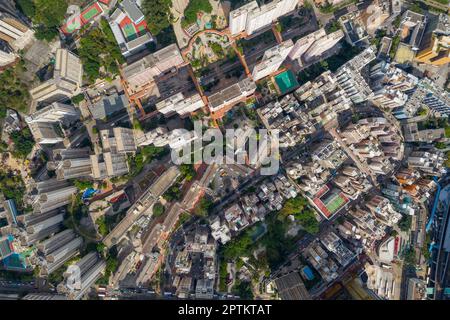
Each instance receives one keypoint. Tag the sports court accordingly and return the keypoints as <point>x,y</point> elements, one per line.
<point>82,19</point>
<point>130,30</point>
<point>329,201</point>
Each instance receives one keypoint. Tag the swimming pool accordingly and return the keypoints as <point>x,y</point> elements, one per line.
<point>286,81</point>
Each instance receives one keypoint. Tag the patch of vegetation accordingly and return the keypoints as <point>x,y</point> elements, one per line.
<point>333,27</point>
<point>166,37</point>
<point>77,99</point>
<point>158,209</point>
<point>422,111</point>
<point>98,49</point>
<point>187,171</point>
<point>417,7</point>
<point>405,223</point>
<point>23,142</point>
<point>144,156</point>
<point>157,14</point>
<point>298,207</point>
<point>394,46</point>
<point>410,257</point>
<point>277,244</point>
<point>12,187</point>
<point>77,209</point>
<point>217,49</point>
<point>379,34</point>
<point>56,277</point>
<point>13,91</point>
<point>173,193</point>
<point>101,226</point>
<point>27,7</point>
<point>83,184</point>
<point>243,289</point>
<point>447,162</point>
<point>203,207</point>
<point>47,16</point>
<point>112,263</point>
<point>194,7</point>
<point>426,246</point>
<point>440,145</point>
<point>223,276</point>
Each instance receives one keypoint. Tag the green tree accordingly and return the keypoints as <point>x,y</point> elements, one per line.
<point>23,142</point>
<point>243,289</point>
<point>83,184</point>
<point>12,187</point>
<point>187,171</point>
<point>405,223</point>
<point>13,91</point>
<point>203,207</point>
<point>298,207</point>
<point>78,98</point>
<point>158,15</point>
<point>440,145</point>
<point>98,48</point>
<point>48,16</point>
<point>27,7</point>
<point>158,209</point>
<point>194,7</point>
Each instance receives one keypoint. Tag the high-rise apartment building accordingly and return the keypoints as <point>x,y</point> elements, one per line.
<point>272,60</point>
<point>222,101</point>
<point>180,104</point>
<point>51,194</point>
<point>251,17</point>
<point>7,56</point>
<point>14,31</point>
<point>55,112</point>
<point>66,82</point>
<point>436,49</point>
<point>313,45</point>
<point>142,73</point>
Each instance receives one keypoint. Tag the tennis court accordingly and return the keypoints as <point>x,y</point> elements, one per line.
<point>72,25</point>
<point>91,12</point>
<point>286,81</point>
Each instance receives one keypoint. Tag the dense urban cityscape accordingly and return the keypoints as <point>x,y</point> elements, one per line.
<point>224,150</point>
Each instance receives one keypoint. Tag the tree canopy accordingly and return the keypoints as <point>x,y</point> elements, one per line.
<point>23,142</point>
<point>194,7</point>
<point>13,91</point>
<point>98,48</point>
<point>157,13</point>
<point>298,207</point>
